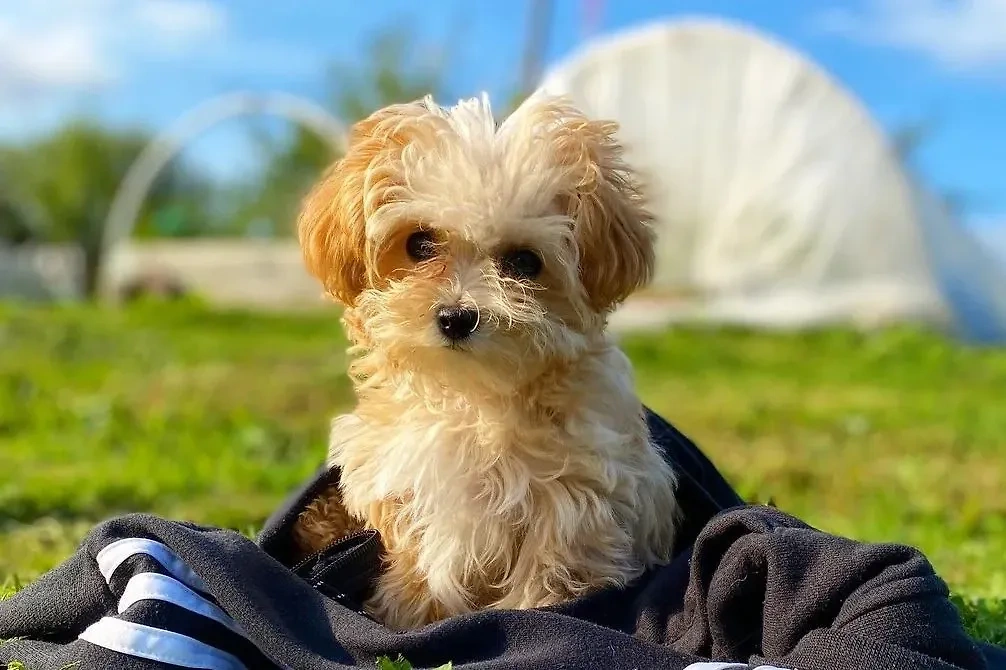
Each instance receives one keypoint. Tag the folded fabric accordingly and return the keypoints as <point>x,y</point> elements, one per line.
<point>754,588</point>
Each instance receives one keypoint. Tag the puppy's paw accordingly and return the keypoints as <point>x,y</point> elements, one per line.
<point>324,521</point>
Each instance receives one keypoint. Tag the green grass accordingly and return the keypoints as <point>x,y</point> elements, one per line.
<point>186,413</point>
<point>214,416</point>
<point>401,663</point>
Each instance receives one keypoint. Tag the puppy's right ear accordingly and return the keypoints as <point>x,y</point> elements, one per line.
<point>332,225</point>
<point>332,232</point>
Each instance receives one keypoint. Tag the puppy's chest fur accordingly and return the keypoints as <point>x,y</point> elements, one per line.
<point>513,502</point>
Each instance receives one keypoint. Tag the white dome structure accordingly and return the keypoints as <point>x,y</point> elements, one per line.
<point>780,202</point>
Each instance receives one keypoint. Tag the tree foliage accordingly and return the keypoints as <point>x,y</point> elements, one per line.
<point>73,174</point>
<point>908,141</point>
<point>394,71</point>
<point>18,223</point>
<point>59,187</point>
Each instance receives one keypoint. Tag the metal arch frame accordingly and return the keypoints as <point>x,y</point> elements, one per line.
<point>140,177</point>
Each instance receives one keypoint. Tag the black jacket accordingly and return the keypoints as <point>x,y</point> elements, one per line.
<point>752,588</point>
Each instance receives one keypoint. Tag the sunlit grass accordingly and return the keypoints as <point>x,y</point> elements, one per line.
<point>215,416</point>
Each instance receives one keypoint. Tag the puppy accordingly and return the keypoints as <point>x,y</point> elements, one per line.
<point>497,445</point>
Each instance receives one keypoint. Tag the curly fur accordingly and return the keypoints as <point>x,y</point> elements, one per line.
<point>514,469</point>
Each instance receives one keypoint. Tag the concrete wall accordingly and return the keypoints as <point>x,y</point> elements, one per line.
<point>253,273</point>
<point>229,272</point>
<point>40,273</point>
<point>260,274</point>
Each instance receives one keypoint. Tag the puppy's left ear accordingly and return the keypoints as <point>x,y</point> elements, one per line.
<point>613,227</point>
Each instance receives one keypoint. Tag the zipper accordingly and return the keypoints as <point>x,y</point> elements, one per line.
<point>318,582</point>
<point>349,555</point>
<point>331,545</point>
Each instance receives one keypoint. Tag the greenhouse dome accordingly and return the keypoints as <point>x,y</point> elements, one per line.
<point>780,202</point>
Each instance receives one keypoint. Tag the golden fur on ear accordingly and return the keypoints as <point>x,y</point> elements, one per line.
<point>332,235</point>
<point>603,197</point>
<point>332,225</point>
<point>616,240</point>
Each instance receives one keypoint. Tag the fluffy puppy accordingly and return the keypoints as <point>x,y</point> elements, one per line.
<point>497,445</point>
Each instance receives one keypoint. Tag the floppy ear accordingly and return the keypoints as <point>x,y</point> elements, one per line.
<point>332,225</point>
<point>613,228</point>
<point>331,228</point>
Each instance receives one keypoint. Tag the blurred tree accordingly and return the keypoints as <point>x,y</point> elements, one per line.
<point>14,228</point>
<point>908,141</point>
<point>909,138</point>
<point>536,42</point>
<point>395,71</point>
<point>73,175</point>
<point>17,225</point>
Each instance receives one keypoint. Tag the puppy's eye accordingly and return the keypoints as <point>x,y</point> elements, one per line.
<point>520,264</point>
<point>421,246</point>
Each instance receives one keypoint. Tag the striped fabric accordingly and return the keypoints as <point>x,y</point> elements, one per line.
<point>166,614</point>
<point>729,666</point>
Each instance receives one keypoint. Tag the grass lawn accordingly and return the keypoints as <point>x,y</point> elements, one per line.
<point>214,416</point>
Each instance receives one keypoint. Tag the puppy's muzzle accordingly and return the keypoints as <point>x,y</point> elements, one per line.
<point>457,323</point>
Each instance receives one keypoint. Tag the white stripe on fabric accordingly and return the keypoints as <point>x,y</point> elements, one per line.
<point>154,644</point>
<point>155,586</point>
<point>114,554</point>
<point>715,665</point>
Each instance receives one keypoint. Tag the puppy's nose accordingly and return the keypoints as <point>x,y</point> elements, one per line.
<point>457,323</point>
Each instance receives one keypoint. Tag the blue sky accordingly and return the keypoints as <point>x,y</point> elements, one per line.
<point>148,61</point>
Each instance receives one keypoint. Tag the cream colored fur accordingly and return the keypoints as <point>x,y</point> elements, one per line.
<point>513,469</point>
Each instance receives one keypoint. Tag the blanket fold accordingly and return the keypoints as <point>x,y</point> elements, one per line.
<point>750,587</point>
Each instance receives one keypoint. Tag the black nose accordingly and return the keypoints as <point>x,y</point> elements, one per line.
<point>457,323</point>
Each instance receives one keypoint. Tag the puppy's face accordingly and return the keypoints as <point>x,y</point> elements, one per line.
<point>471,251</point>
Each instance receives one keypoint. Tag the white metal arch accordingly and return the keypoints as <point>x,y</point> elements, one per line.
<point>140,177</point>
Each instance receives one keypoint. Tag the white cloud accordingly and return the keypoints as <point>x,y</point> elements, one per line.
<point>63,56</point>
<point>963,35</point>
<point>59,46</point>
<point>174,19</point>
